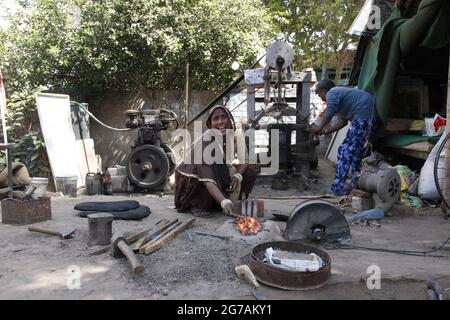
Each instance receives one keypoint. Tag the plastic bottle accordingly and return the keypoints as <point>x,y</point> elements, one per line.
<point>107,182</point>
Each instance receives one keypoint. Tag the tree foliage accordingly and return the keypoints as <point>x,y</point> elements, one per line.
<point>317,28</point>
<point>85,47</point>
<point>28,147</point>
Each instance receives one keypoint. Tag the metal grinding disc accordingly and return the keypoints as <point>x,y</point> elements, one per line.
<point>279,49</point>
<point>317,216</point>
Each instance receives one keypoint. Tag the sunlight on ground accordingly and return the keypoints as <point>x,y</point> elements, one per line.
<point>62,278</point>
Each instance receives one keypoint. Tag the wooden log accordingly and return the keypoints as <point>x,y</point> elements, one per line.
<point>169,237</point>
<point>152,234</point>
<point>130,239</point>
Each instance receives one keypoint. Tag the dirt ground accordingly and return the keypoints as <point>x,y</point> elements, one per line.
<point>38,266</point>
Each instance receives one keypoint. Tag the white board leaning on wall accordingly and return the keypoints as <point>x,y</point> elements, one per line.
<point>56,126</point>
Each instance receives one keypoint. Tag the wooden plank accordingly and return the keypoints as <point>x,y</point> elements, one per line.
<point>397,124</point>
<point>130,239</point>
<point>413,153</point>
<point>169,237</point>
<point>423,146</point>
<point>152,234</point>
<point>86,158</point>
<point>161,235</point>
<point>418,150</point>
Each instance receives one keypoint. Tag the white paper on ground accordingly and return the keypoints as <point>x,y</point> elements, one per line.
<point>312,263</point>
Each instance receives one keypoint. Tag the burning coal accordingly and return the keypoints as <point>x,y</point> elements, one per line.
<point>248,225</point>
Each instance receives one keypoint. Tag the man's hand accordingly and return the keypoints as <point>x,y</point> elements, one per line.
<point>315,129</point>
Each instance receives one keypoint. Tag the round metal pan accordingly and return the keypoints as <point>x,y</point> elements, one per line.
<point>285,279</point>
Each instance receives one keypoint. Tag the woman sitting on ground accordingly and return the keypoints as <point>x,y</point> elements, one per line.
<point>200,188</point>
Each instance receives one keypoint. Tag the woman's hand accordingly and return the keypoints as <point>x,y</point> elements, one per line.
<point>235,183</point>
<point>227,207</point>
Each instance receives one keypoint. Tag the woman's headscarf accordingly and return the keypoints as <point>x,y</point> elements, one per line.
<point>217,174</point>
<point>228,112</point>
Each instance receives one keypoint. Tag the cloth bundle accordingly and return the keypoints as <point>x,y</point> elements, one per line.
<point>121,210</point>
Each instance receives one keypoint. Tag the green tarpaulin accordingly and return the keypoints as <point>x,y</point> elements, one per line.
<point>394,41</point>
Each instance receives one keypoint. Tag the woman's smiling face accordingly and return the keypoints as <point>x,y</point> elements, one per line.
<point>220,121</point>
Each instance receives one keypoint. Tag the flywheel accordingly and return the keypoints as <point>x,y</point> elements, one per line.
<point>148,166</point>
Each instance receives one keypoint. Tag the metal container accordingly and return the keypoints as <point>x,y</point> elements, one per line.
<point>93,184</point>
<point>286,279</point>
<point>67,185</point>
<point>26,212</point>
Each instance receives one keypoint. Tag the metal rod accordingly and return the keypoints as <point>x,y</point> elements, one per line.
<point>189,236</point>
<point>3,108</point>
<point>212,235</point>
<point>10,183</point>
<point>186,95</point>
<point>186,104</point>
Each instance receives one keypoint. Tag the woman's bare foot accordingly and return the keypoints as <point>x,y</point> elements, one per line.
<point>200,213</point>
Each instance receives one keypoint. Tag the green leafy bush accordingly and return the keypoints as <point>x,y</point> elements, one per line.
<point>24,133</point>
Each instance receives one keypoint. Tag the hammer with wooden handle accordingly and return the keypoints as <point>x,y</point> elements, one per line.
<point>120,248</point>
<point>65,233</point>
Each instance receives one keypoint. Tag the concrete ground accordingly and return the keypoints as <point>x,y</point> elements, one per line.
<point>38,266</point>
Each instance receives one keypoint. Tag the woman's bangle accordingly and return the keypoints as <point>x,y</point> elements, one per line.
<point>225,202</point>
<point>238,176</point>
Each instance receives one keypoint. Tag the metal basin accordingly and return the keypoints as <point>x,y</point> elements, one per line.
<point>285,279</point>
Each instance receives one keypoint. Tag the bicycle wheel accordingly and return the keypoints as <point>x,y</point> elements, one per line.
<point>442,163</point>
